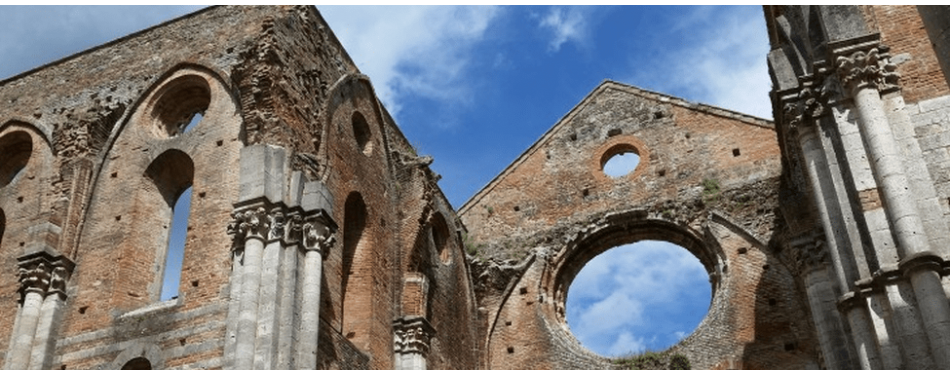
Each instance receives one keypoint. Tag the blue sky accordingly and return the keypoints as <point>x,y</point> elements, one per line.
<point>476,86</point>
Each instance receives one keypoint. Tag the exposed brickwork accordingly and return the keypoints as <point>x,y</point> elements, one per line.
<point>902,29</point>
<point>695,163</point>
<point>108,159</point>
<point>93,155</point>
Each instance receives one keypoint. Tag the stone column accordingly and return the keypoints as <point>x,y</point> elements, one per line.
<point>50,316</point>
<point>249,226</point>
<point>38,314</point>
<point>864,74</point>
<point>812,259</point>
<point>411,337</point>
<point>317,238</point>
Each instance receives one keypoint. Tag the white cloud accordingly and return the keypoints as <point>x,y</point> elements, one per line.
<point>627,344</point>
<point>567,24</point>
<point>619,300</point>
<point>719,60</point>
<point>421,51</point>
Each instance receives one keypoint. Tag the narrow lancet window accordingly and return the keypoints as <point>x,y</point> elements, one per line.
<point>176,246</point>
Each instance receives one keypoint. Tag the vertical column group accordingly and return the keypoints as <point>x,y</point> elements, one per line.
<point>43,278</point>
<point>281,232</point>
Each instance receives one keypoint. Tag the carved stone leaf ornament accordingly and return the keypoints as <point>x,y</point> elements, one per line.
<point>867,68</point>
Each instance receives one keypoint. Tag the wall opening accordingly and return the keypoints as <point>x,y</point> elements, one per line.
<point>181,104</point>
<point>356,283</point>
<point>3,228</point>
<point>620,160</point>
<point>362,134</point>
<point>16,149</point>
<point>176,246</point>
<point>440,238</point>
<point>168,199</point>
<point>643,296</point>
<point>139,363</point>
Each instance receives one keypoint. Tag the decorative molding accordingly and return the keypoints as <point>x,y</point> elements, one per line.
<point>248,221</point>
<point>412,335</point>
<point>277,222</point>
<point>43,273</point>
<point>872,67</point>
<point>809,252</point>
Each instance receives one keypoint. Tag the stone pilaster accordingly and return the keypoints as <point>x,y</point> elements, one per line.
<point>865,71</point>
<point>316,236</point>
<point>813,262</point>
<point>411,338</point>
<point>43,277</point>
<point>278,252</point>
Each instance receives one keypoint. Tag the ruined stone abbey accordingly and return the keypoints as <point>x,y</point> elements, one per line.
<point>318,239</point>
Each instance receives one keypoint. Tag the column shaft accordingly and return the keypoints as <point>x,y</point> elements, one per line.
<point>250,295</point>
<point>306,357</point>
<point>19,357</point>
<point>43,343</point>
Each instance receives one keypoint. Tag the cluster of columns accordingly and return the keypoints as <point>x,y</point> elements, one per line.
<point>878,303</point>
<point>43,278</point>
<point>281,234</point>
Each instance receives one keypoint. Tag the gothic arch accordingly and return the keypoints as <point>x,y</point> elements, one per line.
<point>342,94</point>
<point>137,354</point>
<point>147,162</point>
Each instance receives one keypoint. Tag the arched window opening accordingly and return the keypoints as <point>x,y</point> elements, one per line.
<point>181,104</point>
<point>176,246</point>
<point>357,283</point>
<point>362,134</point>
<point>172,174</point>
<point>645,296</point>
<point>139,363</point>
<point>440,238</point>
<point>16,149</point>
<point>620,160</point>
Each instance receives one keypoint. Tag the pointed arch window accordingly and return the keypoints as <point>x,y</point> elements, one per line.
<point>178,235</point>
<point>172,175</point>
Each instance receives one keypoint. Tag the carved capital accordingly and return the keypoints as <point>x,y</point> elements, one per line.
<point>43,273</point>
<point>412,335</point>
<point>867,68</point>
<point>317,233</point>
<point>810,253</point>
<point>248,222</point>
<point>276,222</point>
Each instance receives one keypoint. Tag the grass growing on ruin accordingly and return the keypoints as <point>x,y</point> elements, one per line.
<point>651,360</point>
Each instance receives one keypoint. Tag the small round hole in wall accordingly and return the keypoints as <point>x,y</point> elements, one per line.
<point>620,160</point>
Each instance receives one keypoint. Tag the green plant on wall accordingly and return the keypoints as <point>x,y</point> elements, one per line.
<point>710,190</point>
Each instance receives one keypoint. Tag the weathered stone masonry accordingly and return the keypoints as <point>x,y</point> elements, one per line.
<point>318,239</point>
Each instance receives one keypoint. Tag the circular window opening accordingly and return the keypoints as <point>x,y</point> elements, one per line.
<point>181,105</point>
<point>362,134</point>
<point>645,296</point>
<point>16,149</point>
<point>620,160</point>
